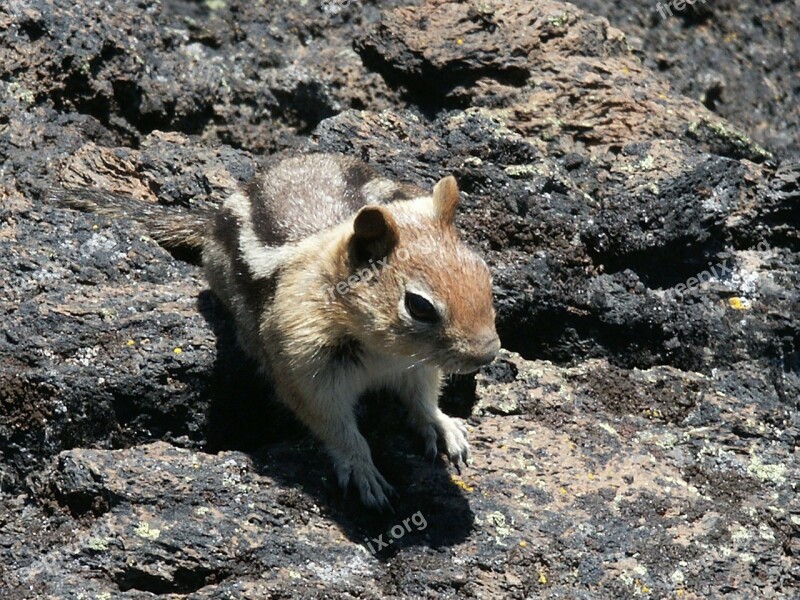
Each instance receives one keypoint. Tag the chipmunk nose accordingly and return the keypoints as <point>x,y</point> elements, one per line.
<point>481,351</point>
<point>489,347</point>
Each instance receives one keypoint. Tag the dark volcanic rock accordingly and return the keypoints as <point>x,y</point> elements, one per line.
<point>740,59</point>
<point>240,73</point>
<point>641,443</point>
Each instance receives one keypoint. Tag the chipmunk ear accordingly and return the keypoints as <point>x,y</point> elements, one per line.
<point>446,199</point>
<point>374,233</point>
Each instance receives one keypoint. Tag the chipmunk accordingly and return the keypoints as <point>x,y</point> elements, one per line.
<point>340,281</point>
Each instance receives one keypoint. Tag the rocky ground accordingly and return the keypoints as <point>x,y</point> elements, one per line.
<point>636,194</point>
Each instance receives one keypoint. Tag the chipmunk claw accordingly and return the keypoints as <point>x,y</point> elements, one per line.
<point>373,489</point>
<point>454,435</point>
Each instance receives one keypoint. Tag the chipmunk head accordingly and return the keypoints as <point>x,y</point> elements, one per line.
<point>429,297</point>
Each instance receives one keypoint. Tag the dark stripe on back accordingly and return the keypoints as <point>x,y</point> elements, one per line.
<point>226,230</point>
<point>256,291</point>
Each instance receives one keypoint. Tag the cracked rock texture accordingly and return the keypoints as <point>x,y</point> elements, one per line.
<point>635,188</point>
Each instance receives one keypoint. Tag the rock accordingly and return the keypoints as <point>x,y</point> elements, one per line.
<point>636,437</point>
<point>604,479</point>
<point>708,52</point>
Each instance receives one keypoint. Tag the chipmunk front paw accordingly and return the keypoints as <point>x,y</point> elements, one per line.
<point>372,488</point>
<point>453,434</point>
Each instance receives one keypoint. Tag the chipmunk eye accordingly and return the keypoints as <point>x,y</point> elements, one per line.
<point>420,308</point>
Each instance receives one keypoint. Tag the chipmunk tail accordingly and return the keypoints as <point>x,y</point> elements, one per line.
<point>180,231</point>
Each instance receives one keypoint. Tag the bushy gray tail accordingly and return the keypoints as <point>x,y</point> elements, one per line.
<point>173,228</point>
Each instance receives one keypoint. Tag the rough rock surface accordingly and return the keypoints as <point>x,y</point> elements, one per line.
<point>740,59</point>
<point>639,435</point>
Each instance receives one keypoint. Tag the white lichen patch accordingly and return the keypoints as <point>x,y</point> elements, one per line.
<point>98,544</point>
<point>665,440</point>
<point>747,557</point>
<point>647,163</point>
<point>765,532</point>
<point>520,171</point>
<point>765,472</point>
<point>143,530</point>
<point>501,527</point>
<point>99,242</point>
<point>472,161</point>
<point>750,511</point>
<point>86,356</point>
<point>740,535</point>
